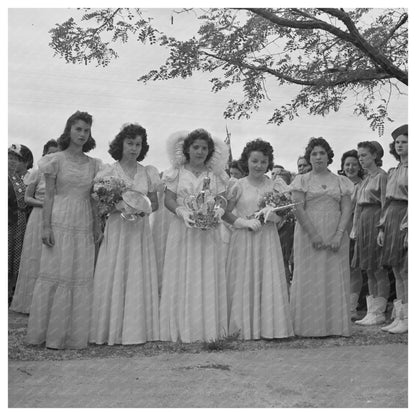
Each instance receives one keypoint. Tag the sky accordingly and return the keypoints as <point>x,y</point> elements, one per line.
<point>43,91</point>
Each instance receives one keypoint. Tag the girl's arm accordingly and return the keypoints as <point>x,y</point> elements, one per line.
<point>346,207</point>
<point>47,233</point>
<point>304,220</point>
<point>29,196</point>
<point>154,200</point>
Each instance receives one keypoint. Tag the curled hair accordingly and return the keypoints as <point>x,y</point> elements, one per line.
<point>392,147</point>
<point>373,150</point>
<point>235,164</point>
<point>48,145</point>
<point>198,134</point>
<point>257,145</point>
<point>319,141</point>
<point>351,153</point>
<point>25,155</point>
<point>129,131</point>
<point>65,137</point>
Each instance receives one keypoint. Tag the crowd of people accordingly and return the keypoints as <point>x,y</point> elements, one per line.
<point>160,277</point>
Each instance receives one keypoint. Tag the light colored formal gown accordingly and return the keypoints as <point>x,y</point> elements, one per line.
<point>257,287</point>
<point>126,303</point>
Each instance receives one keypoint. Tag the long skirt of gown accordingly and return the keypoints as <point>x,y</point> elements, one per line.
<point>193,304</point>
<point>159,224</point>
<point>126,300</point>
<point>257,287</point>
<point>29,263</point>
<point>62,297</point>
<point>319,297</point>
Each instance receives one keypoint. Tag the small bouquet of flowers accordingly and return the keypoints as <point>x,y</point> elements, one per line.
<point>278,202</point>
<point>206,209</point>
<point>107,191</point>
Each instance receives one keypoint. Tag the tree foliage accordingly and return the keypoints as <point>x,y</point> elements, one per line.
<point>330,54</point>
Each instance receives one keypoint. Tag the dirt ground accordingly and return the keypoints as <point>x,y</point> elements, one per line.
<point>368,369</point>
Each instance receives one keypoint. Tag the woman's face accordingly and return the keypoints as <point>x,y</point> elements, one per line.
<point>258,163</point>
<point>319,158</point>
<point>303,166</point>
<point>80,133</point>
<point>16,164</point>
<point>235,173</point>
<point>132,148</point>
<point>400,145</point>
<point>366,158</point>
<point>351,167</point>
<point>198,152</point>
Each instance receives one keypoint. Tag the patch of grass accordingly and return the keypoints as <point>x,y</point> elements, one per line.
<point>20,351</point>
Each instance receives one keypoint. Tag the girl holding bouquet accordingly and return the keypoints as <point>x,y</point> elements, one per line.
<point>61,303</point>
<point>125,301</point>
<point>319,297</point>
<point>193,304</point>
<point>257,287</point>
<point>32,243</point>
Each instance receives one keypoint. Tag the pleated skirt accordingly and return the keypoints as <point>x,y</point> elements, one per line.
<point>393,253</point>
<point>367,252</point>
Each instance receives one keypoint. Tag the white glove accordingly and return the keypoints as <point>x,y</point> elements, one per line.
<point>185,214</point>
<point>252,224</point>
<point>219,212</point>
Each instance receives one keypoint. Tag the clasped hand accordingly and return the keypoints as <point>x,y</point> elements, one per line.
<point>333,245</point>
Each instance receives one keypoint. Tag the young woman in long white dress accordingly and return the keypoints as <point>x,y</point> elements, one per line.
<point>32,243</point>
<point>320,292</point>
<point>257,287</point>
<point>62,297</point>
<point>126,302</point>
<point>193,304</point>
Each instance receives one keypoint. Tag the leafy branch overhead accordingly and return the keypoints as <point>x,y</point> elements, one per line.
<point>329,54</point>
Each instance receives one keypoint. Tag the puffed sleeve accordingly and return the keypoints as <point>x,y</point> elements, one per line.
<point>345,185</point>
<point>98,165</point>
<point>153,178</point>
<point>171,179</point>
<point>105,169</point>
<point>234,191</point>
<point>298,183</point>
<point>32,178</point>
<point>49,164</point>
<point>280,185</point>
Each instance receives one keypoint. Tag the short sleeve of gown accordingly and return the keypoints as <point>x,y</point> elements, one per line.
<point>32,178</point>
<point>298,184</point>
<point>171,179</point>
<point>153,178</point>
<point>346,186</point>
<point>98,165</point>
<point>234,191</point>
<point>49,164</point>
<point>105,169</point>
<point>280,185</point>
<point>222,182</point>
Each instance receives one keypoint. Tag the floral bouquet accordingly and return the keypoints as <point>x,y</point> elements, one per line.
<point>278,202</point>
<point>107,191</point>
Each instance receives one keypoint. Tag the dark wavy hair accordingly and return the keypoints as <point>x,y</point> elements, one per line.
<point>257,145</point>
<point>234,164</point>
<point>373,150</point>
<point>65,137</point>
<point>393,149</point>
<point>198,134</point>
<point>48,145</point>
<point>319,141</point>
<point>351,153</point>
<point>130,131</point>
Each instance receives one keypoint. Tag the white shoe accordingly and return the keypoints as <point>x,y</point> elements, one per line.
<point>397,307</point>
<point>369,300</point>
<point>376,314</point>
<point>402,325</point>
